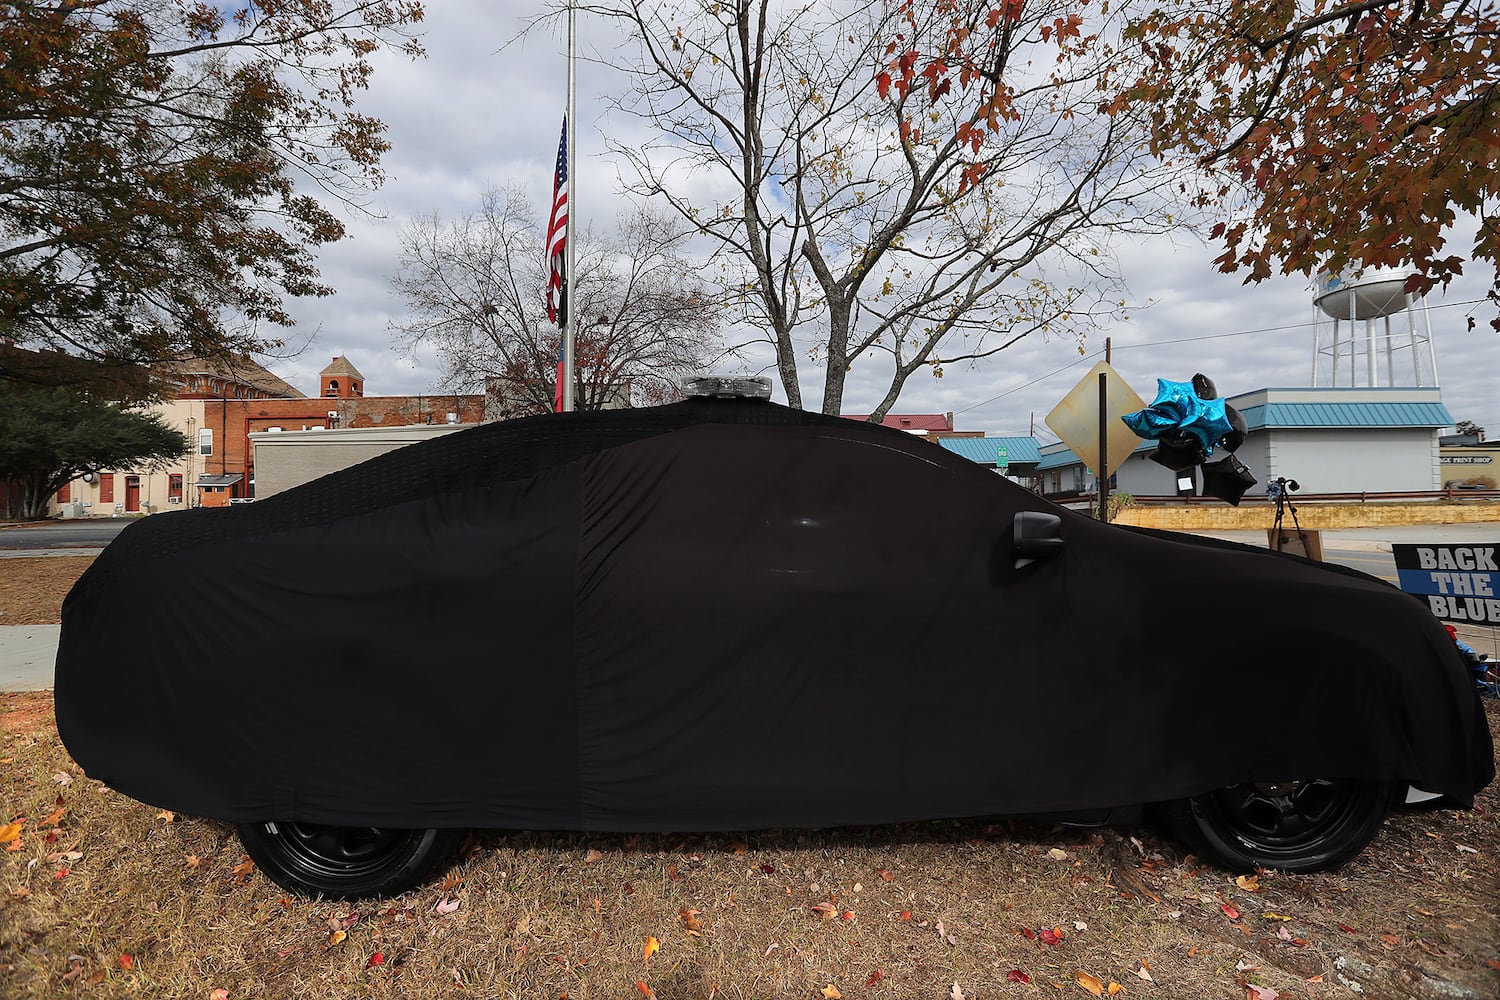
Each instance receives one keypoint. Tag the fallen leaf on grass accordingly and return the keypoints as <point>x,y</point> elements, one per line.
<point>885,874</point>
<point>1274,916</point>
<point>957,994</point>
<point>447,905</point>
<point>1017,976</point>
<point>1390,940</point>
<point>652,947</point>
<point>63,778</point>
<point>1114,988</point>
<point>376,959</point>
<point>1253,992</point>
<point>1145,973</point>
<point>831,992</point>
<point>1347,929</point>
<point>241,871</point>
<point>61,874</point>
<point>54,817</point>
<point>14,845</point>
<point>219,994</point>
<point>645,990</point>
<point>690,920</point>
<point>826,910</point>
<point>1250,883</point>
<point>875,977</point>
<point>11,831</point>
<point>1089,983</point>
<point>127,962</point>
<point>1057,854</point>
<point>593,856</point>
<point>1052,936</point>
<point>1229,911</point>
<point>337,937</point>
<point>166,814</point>
<point>192,860</point>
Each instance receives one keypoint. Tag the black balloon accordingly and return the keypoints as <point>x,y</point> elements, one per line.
<point>1178,452</point>
<point>1204,387</point>
<point>1236,437</point>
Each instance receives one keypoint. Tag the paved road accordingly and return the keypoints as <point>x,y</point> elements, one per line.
<point>66,538</point>
<point>27,652</point>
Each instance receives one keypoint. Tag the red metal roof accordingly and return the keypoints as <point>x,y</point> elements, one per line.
<point>910,421</point>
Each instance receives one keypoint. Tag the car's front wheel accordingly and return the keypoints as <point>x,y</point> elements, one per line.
<point>1296,826</point>
<point>344,862</point>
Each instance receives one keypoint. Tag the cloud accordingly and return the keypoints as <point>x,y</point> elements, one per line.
<point>484,110</point>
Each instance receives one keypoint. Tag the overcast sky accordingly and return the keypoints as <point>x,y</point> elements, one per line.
<point>479,112</point>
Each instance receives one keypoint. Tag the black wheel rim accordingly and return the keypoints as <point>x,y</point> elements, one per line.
<point>334,852</point>
<point>1286,818</point>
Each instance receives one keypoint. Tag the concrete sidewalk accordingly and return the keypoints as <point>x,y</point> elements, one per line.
<point>27,656</point>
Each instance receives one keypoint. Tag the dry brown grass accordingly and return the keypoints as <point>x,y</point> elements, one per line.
<point>32,590</point>
<point>547,916</point>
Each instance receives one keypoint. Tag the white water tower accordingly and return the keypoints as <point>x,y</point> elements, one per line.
<point>1370,297</point>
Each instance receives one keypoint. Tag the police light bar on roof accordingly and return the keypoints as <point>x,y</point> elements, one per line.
<point>728,387</point>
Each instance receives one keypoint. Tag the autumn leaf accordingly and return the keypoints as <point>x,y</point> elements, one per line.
<point>1017,976</point>
<point>1250,883</point>
<point>52,818</point>
<point>1145,973</point>
<point>652,947</point>
<point>593,856</point>
<point>1114,988</point>
<point>1089,983</point>
<point>376,959</point>
<point>1253,992</point>
<point>1052,935</point>
<point>1027,933</point>
<point>446,905</point>
<point>192,860</point>
<point>645,990</point>
<point>11,831</point>
<point>337,937</point>
<point>1229,911</point>
<point>957,994</point>
<point>61,874</point>
<point>242,870</point>
<point>875,977</point>
<point>848,915</point>
<point>1347,929</point>
<point>826,910</point>
<point>831,992</point>
<point>219,994</point>
<point>127,962</point>
<point>690,920</point>
<point>886,875</point>
<point>166,814</point>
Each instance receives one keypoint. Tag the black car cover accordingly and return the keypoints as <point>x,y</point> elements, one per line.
<point>723,615</point>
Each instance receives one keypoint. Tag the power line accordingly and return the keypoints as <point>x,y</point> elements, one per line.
<point>1181,340</point>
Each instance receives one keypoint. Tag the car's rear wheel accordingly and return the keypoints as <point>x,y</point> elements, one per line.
<point>344,862</point>
<point>1296,826</point>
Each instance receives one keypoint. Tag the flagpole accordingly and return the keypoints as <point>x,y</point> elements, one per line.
<point>570,324</point>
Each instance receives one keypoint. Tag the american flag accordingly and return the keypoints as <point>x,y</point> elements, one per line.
<point>557,233</point>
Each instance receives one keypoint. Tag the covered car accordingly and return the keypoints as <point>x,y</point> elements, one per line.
<point>726,614</point>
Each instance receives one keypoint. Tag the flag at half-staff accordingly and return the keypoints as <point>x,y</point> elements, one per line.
<point>557,245</point>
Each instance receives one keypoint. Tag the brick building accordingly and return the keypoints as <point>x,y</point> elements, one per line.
<point>218,407</point>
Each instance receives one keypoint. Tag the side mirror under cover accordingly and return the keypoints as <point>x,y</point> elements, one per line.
<point>1038,535</point>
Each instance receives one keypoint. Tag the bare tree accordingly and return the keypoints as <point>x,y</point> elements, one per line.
<point>860,217</point>
<point>476,293</point>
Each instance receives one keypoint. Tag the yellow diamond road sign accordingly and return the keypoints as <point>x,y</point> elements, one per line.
<point>1076,418</point>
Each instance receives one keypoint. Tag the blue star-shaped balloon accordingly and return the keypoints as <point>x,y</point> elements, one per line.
<point>1178,410</point>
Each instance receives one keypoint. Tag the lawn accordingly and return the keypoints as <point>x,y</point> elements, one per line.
<point>104,896</point>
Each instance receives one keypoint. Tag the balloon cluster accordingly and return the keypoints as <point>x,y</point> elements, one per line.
<point>1188,421</point>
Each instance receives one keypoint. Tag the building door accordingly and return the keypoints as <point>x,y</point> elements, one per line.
<point>132,493</point>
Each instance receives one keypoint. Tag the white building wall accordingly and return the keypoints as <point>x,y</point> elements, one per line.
<point>290,458</point>
<point>1351,459</point>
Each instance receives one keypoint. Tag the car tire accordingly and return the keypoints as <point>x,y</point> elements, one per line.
<point>1295,826</point>
<point>338,862</point>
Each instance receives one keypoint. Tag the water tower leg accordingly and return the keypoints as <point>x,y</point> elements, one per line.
<point>1390,357</point>
<point>1317,344</point>
<point>1431,350</point>
<point>1411,329</point>
<point>1370,352</point>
